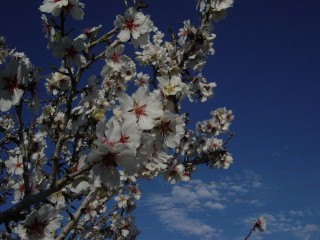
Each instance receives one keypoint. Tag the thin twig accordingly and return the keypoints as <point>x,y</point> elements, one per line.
<point>249,234</point>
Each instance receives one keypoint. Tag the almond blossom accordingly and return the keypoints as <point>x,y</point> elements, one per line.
<point>152,155</point>
<point>58,199</point>
<point>7,122</point>
<point>91,210</point>
<point>200,89</point>
<point>142,80</point>
<point>170,85</point>
<point>15,165</point>
<point>223,161</point>
<point>48,30</point>
<point>142,107</point>
<point>175,173</point>
<point>40,224</point>
<point>170,128</point>
<point>114,57</point>
<point>134,25</point>
<point>261,224</point>
<point>213,144</point>
<point>122,200</point>
<point>12,81</point>
<point>221,4</point>
<point>55,7</point>
<point>58,81</point>
<point>70,50</point>
<point>116,146</point>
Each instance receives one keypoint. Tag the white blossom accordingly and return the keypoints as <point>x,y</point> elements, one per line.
<point>171,128</point>
<point>223,161</point>
<point>261,224</point>
<point>213,144</point>
<point>221,4</point>
<point>58,198</point>
<point>135,26</point>
<point>40,224</point>
<point>170,85</point>
<point>58,81</point>
<point>15,165</point>
<point>70,50</point>
<point>142,107</point>
<point>55,7</point>
<point>12,80</point>
<point>142,80</point>
<point>174,173</point>
<point>122,200</point>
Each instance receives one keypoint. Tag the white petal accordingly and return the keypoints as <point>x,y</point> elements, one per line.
<point>126,102</point>
<point>77,13</point>
<point>124,35</point>
<point>5,104</point>
<point>145,122</point>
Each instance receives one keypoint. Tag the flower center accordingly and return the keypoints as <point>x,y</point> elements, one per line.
<point>130,25</point>
<point>36,228</point>
<point>19,165</point>
<point>21,187</point>
<point>115,58</point>
<point>169,89</point>
<point>12,83</point>
<point>165,127</point>
<point>214,145</point>
<point>71,52</point>
<point>110,159</point>
<point>123,139</point>
<point>140,111</point>
<point>46,28</point>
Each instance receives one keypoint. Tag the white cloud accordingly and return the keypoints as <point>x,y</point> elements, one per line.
<point>195,208</point>
<point>181,208</point>
<point>214,205</point>
<point>309,232</point>
<point>238,188</point>
<point>177,219</point>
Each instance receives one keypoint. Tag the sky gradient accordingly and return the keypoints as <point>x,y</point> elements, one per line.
<point>267,68</point>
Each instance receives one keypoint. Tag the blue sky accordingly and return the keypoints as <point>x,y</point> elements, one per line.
<point>267,67</point>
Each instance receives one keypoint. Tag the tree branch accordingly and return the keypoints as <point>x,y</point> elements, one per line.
<point>14,213</point>
<point>23,151</point>
<point>65,231</point>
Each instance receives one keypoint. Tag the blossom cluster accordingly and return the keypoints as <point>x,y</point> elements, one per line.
<point>92,138</point>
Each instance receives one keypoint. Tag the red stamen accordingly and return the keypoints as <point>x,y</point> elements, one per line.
<point>19,165</point>
<point>123,139</point>
<point>110,159</point>
<point>115,58</point>
<point>21,188</point>
<point>140,110</point>
<point>71,52</point>
<point>12,83</point>
<point>130,25</point>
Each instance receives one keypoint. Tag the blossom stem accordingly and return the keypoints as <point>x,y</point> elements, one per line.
<point>104,38</point>
<point>249,234</point>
